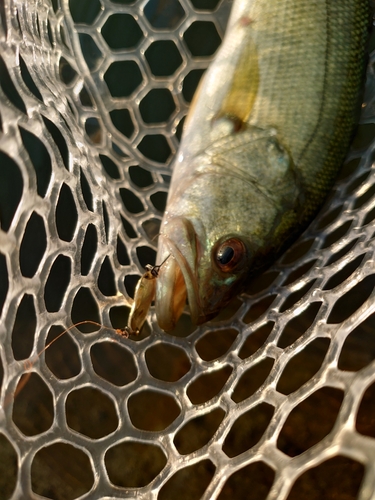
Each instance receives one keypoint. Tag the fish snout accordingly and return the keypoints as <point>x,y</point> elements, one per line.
<point>177,279</point>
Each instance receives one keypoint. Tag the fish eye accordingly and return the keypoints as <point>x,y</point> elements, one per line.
<point>229,254</point>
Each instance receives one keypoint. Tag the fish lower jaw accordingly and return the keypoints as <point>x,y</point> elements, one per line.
<point>206,317</point>
<point>173,295</point>
<point>170,295</point>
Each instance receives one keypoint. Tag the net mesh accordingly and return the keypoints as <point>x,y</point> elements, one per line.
<point>274,398</point>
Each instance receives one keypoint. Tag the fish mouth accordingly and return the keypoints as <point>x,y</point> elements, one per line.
<point>177,280</point>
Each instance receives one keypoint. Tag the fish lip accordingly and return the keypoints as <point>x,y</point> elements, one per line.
<point>190,278</point>
<point>179,274</point>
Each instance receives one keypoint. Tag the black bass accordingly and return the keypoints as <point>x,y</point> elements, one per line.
<point>269,129</point>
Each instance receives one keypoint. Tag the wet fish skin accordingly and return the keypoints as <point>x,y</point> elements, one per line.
<point>268,131</point>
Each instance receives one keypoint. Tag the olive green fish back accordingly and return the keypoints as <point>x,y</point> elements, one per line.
<point>311,63</point>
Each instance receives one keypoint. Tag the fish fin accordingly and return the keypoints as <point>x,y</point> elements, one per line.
<point>239,100</point>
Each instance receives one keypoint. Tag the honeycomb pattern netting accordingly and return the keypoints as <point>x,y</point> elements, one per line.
<point>276,397</point>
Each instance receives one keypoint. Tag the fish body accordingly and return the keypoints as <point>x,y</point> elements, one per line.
<point>268,130</point>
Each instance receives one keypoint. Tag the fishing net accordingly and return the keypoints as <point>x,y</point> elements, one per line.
<point>273,399</point>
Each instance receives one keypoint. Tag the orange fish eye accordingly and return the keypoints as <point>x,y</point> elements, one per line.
<point>229,254</point>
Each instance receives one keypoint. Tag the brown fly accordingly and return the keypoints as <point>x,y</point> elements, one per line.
<point>143,296</point>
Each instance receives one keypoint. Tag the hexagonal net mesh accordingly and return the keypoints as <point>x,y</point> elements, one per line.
<point>275,398</point>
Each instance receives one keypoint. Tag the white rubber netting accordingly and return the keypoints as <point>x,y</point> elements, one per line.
<point>276,397</point>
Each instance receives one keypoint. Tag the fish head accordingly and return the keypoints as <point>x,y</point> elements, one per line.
<point>222,224</point>
<point>205,274</point>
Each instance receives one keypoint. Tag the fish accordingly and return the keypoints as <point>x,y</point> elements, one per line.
<point>268,130</point>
